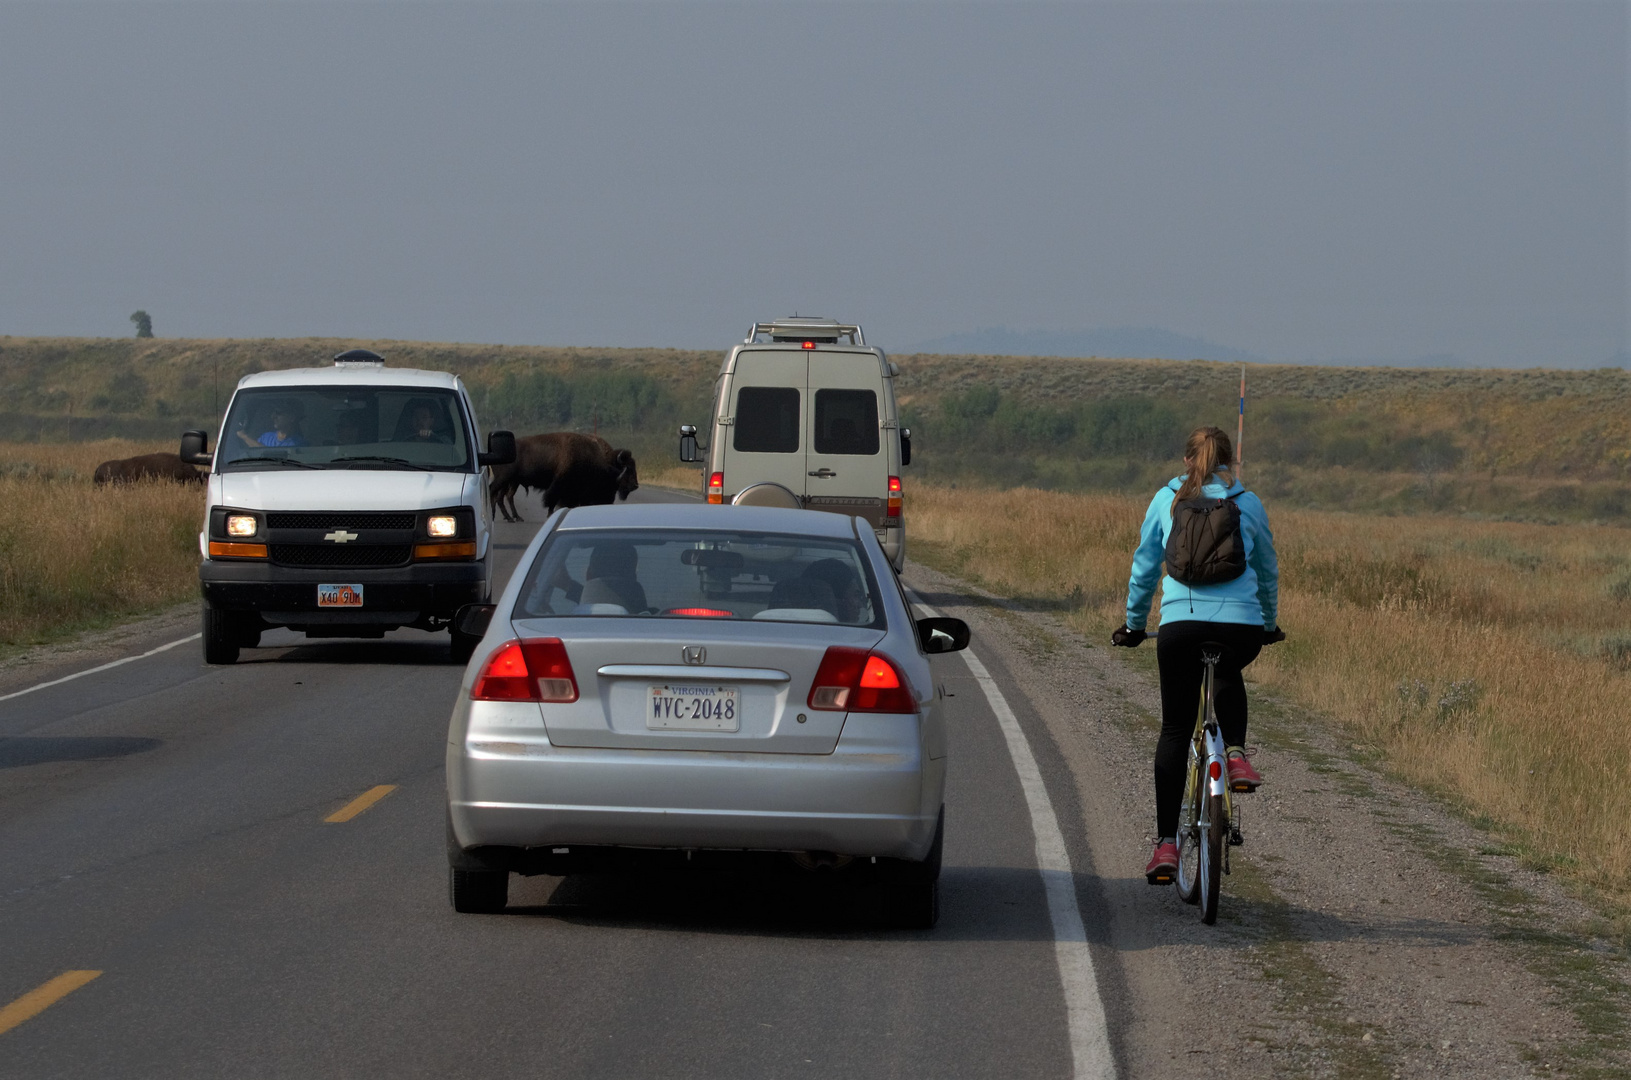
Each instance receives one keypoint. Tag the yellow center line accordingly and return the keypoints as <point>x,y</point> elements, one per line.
<point>361,803</point>
<point>43,997</point>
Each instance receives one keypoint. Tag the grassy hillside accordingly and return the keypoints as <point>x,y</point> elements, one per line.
<point>1534,445</point>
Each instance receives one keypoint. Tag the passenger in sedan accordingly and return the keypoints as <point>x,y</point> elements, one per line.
<point>610,579</point>
<point>848,595</point>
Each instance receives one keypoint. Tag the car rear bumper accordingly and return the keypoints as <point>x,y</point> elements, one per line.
<point>519,792</point>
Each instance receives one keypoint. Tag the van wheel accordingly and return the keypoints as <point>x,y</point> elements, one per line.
<point>222,636</point>
<point>478,892</point>
<point>463,646</point>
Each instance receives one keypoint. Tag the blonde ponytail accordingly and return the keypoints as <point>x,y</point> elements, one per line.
<point>1208,451</point>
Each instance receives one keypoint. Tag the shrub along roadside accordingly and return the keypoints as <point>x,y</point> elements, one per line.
<point>1481,659</point>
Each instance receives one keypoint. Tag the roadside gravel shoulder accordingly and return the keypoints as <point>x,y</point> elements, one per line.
<point>42,663</point>
<point>1365,930</point>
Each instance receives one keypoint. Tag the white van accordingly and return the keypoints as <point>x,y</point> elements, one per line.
<point>804,419</point>
<point>344,502</point>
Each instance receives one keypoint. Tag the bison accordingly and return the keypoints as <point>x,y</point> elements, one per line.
<point>147,467</point>
<point>571,468</point>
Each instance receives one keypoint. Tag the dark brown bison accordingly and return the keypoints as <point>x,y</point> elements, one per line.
<point>147,467</point>
<point>569,467</point>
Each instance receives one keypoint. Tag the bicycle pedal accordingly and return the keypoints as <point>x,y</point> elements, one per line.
<point>1242,787</point>
<point>1158,879</point>
<point>1236,838</point>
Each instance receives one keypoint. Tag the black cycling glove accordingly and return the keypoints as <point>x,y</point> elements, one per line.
<point>1127,638</point>
<point>1272,636</point>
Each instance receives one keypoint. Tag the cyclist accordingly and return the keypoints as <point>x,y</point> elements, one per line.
<point>1241,614</point>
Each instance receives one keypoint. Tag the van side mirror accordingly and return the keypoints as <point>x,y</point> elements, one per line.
<point>942,635</point>
<point>195,448</point>
<point>689,450</point>
<point>906,446</point>
<point>500,449</point>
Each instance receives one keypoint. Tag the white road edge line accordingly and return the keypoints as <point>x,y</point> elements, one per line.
<point>1084,1011</point>
<point>104,667</point>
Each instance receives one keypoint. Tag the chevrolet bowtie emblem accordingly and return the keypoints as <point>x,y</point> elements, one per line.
<point>340,536</point>
<point>694,654</point>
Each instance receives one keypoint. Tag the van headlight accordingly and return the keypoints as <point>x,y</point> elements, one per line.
<point>442,526</point>
<point>241,525</point>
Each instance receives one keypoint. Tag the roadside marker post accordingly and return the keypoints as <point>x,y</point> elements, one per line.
<point>1240,426</point>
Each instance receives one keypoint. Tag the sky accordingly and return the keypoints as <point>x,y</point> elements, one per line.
<point>1300,181</point>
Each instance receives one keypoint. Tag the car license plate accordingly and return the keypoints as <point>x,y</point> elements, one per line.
<point>339,596</point>
<point>689,707</point>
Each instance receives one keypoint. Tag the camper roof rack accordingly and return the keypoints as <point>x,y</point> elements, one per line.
<point>806,328</point>
<point>359,356</point>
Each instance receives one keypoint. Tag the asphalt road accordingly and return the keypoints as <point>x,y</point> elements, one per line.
<point>163,823</point>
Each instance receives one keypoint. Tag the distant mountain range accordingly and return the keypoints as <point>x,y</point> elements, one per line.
<point>1145,342</point>
<point>1153,343</point>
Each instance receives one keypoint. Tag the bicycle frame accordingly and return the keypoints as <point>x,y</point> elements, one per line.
<point>1208,757</point>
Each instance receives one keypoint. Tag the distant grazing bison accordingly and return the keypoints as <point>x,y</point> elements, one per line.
<point>572,469</point>
<point>147,467</point>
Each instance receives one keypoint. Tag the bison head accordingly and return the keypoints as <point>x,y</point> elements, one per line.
<point>628,478</point>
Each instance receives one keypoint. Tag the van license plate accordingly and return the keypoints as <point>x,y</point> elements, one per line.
<point>693,708</point>
<point>339,596</point>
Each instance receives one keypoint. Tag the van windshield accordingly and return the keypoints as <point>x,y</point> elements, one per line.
<point>703,574</point>
<point>345,427</point>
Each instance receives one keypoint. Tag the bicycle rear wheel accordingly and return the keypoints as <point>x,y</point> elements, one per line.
<point>1188,878</point>
<point>1213,835</point>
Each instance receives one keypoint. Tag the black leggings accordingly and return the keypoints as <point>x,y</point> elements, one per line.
<point>1178,651</point>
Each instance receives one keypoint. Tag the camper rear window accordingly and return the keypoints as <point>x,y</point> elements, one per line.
<point>846,422</point>
<point>767,420</point>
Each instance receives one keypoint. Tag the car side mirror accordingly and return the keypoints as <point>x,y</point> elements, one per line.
<point>942,635</point>
<point>500,449</point>
<point>195,448</point>
<point>689,450</point>
<point>905,446</point>
<point>472,620</point>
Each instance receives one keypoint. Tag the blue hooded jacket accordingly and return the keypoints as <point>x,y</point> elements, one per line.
<point>1252,599</point>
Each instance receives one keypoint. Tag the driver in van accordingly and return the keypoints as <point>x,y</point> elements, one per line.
<point>285,430</point>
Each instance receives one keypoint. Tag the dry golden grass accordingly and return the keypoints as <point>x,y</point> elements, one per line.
<point>1486,660</point>
<point>77,556</point>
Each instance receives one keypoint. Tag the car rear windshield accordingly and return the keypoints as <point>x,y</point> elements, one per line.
<point>345,427</point>
<point>767,420</point>
<point>846,422</point>
<point>651,573</point>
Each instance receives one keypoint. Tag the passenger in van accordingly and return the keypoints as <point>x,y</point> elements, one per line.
<point>285,429</point>
<point>423,424</point>
<point>848,596</point>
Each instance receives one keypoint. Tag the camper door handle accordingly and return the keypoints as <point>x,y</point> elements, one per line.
<point>824,473</point>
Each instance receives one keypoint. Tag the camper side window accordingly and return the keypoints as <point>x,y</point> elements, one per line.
<point>767,420</point>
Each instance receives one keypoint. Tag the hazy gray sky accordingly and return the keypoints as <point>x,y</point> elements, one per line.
<point>1300,180</point>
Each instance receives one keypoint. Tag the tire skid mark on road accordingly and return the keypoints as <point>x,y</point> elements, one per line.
<point>92,671</point>
<point>360,803</point>
<point>1089,1032</point>
<point>42,997</point>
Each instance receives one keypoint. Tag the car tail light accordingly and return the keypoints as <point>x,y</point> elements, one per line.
<point>893,509</point>
<point>854,680</point>
<point>536,669</point>
<point>716,488</point>
<point>809,344</point>
<point>702,612</point>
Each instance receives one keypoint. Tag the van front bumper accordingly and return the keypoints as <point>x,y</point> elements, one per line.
<point>399,595</point>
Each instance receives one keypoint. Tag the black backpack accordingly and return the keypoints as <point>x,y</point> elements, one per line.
<point>1205,546</point>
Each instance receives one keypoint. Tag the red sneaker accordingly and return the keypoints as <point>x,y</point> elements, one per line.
<point>1242,777</point>
<point>1163,864</point>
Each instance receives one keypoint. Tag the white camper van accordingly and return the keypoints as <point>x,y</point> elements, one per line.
<point>804,416</point>
<point>344,502</point>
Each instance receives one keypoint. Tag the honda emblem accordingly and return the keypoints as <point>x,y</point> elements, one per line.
<point>694,654</point>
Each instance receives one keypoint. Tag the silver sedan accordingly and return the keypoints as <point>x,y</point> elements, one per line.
<point>697,679</point>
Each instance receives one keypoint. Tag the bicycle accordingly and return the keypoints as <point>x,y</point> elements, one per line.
<point>1208,820</point>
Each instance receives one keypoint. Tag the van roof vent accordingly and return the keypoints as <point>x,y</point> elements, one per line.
<point>806,328</point>
<point>354,357</point>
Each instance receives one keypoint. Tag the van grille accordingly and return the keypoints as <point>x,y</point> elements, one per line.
<point>340,519</point>
<point>341,554</point>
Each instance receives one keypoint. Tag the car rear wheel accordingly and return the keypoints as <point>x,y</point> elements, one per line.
<point>222,636</point>
<point>911,897</point>
<point>478,892</point>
